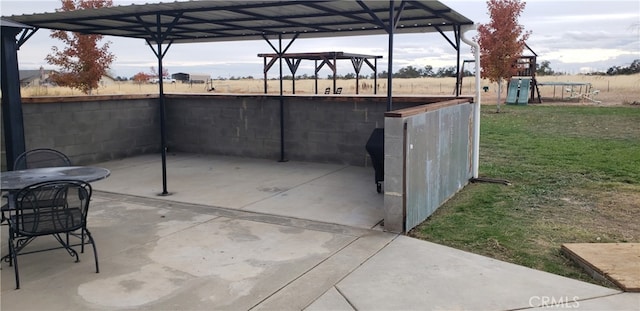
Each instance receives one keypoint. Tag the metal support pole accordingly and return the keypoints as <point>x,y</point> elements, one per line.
<point>315,75</point>
<point>11,103</point>
<point>375,77</point>
<point>456,31</point>
<point>163,130</point>
<point>265,73</point>
<point>335,69</point>
<point>390,57</point>
<point>280,52</point>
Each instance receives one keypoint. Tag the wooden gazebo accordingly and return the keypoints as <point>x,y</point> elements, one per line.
<point>293,60</point>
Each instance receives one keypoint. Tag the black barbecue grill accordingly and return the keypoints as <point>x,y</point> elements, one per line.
<point>375,148</point>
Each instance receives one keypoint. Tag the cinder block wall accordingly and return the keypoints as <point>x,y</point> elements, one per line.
<point>92,129</point>
<point>326,129</point>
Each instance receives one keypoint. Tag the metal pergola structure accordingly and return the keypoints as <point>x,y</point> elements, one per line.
<point>326,58</point>
<point>164,24</point>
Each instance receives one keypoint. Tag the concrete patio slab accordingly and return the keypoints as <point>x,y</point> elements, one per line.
<point>340,197</point>
<point>409,273</point>
<point>322,192</point>
<point>171,256</point>
<point>161,253</point>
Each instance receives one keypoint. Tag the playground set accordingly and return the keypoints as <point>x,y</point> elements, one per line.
<point>524,88</point>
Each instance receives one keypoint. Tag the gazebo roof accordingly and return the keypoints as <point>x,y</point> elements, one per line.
<point>321,55</point>
<point>201,21</point>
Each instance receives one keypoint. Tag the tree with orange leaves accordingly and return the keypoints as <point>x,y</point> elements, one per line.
<point>83,63</point>
<point>141,77</point>
<point>501,42</point>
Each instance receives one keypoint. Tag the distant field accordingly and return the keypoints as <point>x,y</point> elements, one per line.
<point>613,90</point>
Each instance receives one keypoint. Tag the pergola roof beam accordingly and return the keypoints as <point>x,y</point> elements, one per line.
<point>203,21</point>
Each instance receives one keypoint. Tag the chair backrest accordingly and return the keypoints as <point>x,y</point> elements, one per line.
<point>51,207</point>
<point>42,157</point>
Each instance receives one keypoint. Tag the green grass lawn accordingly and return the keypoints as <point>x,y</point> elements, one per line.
<point>575,178</point>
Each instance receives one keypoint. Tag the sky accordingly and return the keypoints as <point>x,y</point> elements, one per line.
<point>573,36</point>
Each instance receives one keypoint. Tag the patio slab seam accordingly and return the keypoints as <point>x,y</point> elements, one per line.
<point>306,272</point>
<point>601,296</point>
<point>345,297</point>
<point>335,286</point>
<point>238,214</point>
<point>352,270</point>
<point>306,289</point>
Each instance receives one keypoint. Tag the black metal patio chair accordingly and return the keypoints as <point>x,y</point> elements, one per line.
<point>35,158</point>
<point>56,208</point>
<point>41,157</point>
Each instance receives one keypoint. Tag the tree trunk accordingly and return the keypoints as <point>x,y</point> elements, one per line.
<point>499,95</point>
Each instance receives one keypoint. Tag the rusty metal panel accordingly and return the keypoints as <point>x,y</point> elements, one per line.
<point>437,161</point>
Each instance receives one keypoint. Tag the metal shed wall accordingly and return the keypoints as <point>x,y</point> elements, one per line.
<point>428,159</point>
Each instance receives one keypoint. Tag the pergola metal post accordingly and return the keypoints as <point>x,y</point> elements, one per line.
<point>159,38</point>
<point>390,31</point>
<point>335,69</point>
<point>264,70</point>
<point>375,77</point>
<point>282,156</point>
<point>456,31</point>
<point>315,74</point>
<point>456,45</point>
<point>280,51</point>
<point>11,103</point>
<point>163,130</point>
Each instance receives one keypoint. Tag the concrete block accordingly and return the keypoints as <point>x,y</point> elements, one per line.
<point>393,212</point>
<point>393,128</point>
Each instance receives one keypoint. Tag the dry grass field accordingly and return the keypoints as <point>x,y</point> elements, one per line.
<point>612,90</point>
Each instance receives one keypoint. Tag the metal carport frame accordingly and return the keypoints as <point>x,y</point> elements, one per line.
<point>214,21</point>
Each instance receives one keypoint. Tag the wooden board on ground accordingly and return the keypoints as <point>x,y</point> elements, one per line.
<point>617,262</point>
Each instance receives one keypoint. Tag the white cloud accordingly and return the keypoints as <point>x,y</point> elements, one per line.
<point>592,18</point>
<point>582,56</point>
<point>570,34</point>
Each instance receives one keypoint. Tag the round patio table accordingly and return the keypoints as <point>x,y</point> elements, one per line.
<point>16,180</point>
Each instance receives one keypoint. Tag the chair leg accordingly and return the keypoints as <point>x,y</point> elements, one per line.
<point>9,257</point>
<point>82,241</point>
<point>14,257</point>
<point>95,251</point>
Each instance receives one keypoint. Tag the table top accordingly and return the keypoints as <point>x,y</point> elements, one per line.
<point>15,180</point>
